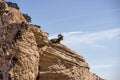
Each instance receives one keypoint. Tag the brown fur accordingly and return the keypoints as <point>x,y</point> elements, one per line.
<point>57,40</point>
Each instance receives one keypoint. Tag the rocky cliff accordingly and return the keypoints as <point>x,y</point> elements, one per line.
<point>27,54</point>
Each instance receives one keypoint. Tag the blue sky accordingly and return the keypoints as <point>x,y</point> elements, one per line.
<point>90,27</point>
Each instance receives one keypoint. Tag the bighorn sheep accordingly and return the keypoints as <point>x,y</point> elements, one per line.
<point>57,40</point>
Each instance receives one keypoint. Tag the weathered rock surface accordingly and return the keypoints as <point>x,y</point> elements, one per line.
<point>26,54</point>
<point>9,15</point>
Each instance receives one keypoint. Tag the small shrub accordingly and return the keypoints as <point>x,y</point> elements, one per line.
<point>27,17</point>
<point>14,5</point>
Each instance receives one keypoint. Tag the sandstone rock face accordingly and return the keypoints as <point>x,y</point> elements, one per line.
<point>57,62</point>
<point>10,15</point>
<point>27,54</point>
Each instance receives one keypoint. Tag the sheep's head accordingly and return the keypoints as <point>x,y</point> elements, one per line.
<point>60,36</point>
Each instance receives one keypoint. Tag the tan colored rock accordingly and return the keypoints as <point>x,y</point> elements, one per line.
<point>40,35</point>
<point>1,0</point>
<point>13,16</point>
<point>57,62</point>
<point>10,15</point>
<point>26,66</point>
